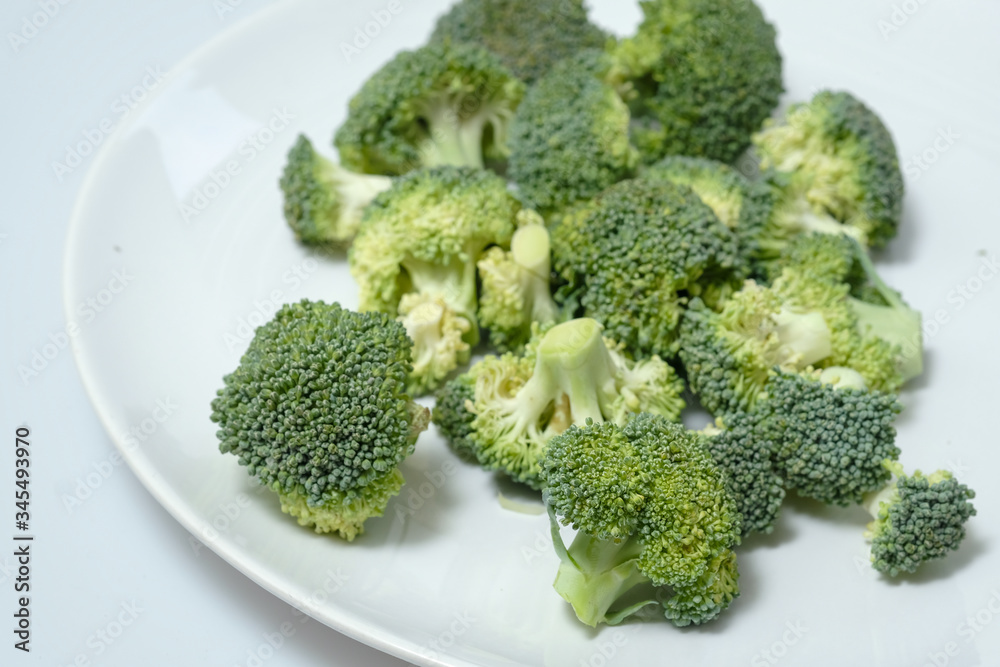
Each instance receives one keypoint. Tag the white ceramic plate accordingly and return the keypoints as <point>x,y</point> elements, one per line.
<point>183,204</point>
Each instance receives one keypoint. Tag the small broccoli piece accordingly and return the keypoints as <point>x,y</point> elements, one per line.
<point>529,36</point>
<point>324,201</point>
<point>570,137</point>
<point>704,74</point>
<point>745,456</point>
<point>830,439</point>
<point>453,416</point>
<point>516,286</point>
<point>440,105</point>
<point>627,257</point>
<point>424,236</point>
<point>568,374</point>
<point>835,170</point>
<point>918,518</point>
<point>317,411</point>
<point>650,507</point>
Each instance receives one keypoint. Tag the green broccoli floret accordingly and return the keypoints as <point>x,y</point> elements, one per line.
<point>745,456</point>
<point>627,257</point>
<point>516,288</point>
<point>704,74</point>
<point>324,201</point>
<point>317,411</point>
<point>917,518</point>
<point>835,170</point>
<point>453,416</point>
<point>529,36</point>
<point>570,137</point>
<point>440,105</point>
<point>651,507</point>
<point>830,437</point>
<point>424,236</point>
<point>568,374</point>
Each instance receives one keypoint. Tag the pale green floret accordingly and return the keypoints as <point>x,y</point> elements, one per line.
<point>918,518</point>
<point>516,287</point>
<point>568,375</point>
<point>437,335</point>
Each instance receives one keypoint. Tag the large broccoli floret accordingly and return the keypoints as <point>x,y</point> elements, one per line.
<point>317,411</point>
<point>570,137</point>
<point>440,105</point>
<point>516,288</point>
<point>704,73</point>
<point>324,201</point>
<point>830,435</point>
<point>917,518</point>
<point>650,507</point>
<point>567,375</point>
<point>744,454</point>
<point>529,36</point>
<point>627,257</point>
<point>835,170</point>
<point>424,236</point>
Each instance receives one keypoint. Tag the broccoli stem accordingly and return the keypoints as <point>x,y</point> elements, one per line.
<point>454,282</point>
<point>573,361</point>
<point>454,140</point>
<point>530,248</point>
<point>356,190</point>
<point>805,337</point>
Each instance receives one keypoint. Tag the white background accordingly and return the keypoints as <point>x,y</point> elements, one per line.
<point>939,70</point>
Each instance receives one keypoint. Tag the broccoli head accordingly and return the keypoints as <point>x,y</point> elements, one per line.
<point>324,201</point>
<point>529,36</point>
<point>567,375</point>
<point>704,75</point>
<point>317,411</point>
<point>650,506</point>
<point>442,104</point>
<point>918,518</point>
<point>424,236</point>
<point>835,170</point>
<point>569,139</point>
<point>630,258</point>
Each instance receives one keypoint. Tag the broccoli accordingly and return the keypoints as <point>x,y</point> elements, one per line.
<point>830,437</point>
<point>515,286</point>
<point>569,139</point>
<point>317,411</point>
<point>704,75</point>
<point>835,170</point>
<point>529,36</point>
<point>917,518</point>
<point>626,258</point>
<point>745,456</point>
<point>423,236</point>
<point>439,105</point>
<point>568,374</point>
<point>650,507</point>
<point>324,201</point>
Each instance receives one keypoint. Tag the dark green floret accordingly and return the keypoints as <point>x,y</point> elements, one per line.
<point>918,518</point>
<point>452,415</point>
<point>439,105</point>
<point>570,137</point>
<point>651,509</point>
<point>323,201</point>
<point>704,75</point>
<point>529,36</point>
<point>317,411</point>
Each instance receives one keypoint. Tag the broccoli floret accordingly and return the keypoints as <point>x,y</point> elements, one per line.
<point>830,438</point>
<point>745,456</point>
<point>324,201</point>
<point>568,374</point>
<point>627,257</point>
<point>440,105</point>
<point>650,506</point>
<point>835,170</point>
<point>453,416</point>
<point>917,518</point>
<point>424,236</point>
<point>570,137</point>
<point>317,411</point>
<point>704,74</point>
<point>529,36</point>
<point>516,288</point>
